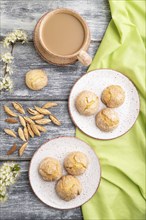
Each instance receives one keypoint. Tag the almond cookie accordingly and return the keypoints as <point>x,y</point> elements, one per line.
<point>36,79</point>
<point>113,96</point>
<point>107,120</point>
<point>68,187</point>
<point>50,169</point>
<point>76,163</point>
<point>87,103</point>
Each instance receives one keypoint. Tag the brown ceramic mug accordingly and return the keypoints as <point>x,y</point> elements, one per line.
<point>72,42</point>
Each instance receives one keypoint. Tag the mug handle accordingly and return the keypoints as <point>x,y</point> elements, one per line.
<point>84,58</point>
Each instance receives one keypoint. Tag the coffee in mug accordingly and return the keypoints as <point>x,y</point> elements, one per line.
<point>62,37</point>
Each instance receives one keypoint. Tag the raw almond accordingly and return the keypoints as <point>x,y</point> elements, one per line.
<point>42,111</point>
<point>22,149</point>
<point>22,121</point>
<point>26,134</point>
<point>55,120</point>
<point>36,117</point>
<point>43,121</point>
<point>32,111</point>
<point>12,149</point>
<point>11,120</point>
<point>21,134</point>
<point>30,131</point>
<point>10,132</point>
<point>49,105</point>
<point>41,128</point>
<point>35,129</point>
<point>27,119</point>
<point>9,111</point>
<point>18,107</point>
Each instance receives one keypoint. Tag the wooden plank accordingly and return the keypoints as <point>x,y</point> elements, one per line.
<point>18,14</point>
<point>23,204</point>
<point>61,79</point>
<point>66,129</point>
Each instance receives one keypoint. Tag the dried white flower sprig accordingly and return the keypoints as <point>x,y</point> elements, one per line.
<point>9,172</point>
<point>6,83</point>
<point>12,37</point>
<point>7,58</point>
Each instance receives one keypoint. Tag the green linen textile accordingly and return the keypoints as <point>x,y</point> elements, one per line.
<point>121,194</point>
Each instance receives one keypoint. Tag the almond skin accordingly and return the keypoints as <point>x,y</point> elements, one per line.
<point>37,117</point>
<point>8,111</point>
<point>12,149</point>
<point>55,120</point>
<point>30,130</point>
<point>11,120</point>
<point>41,128</point>
<point>10,132</point>
<point>30,121</point>
<point>22,149</point>
<point>35,129</point>
<point>49,105</point>
<point>32,111</point>
<point>42,111</point>
<point>21,134</point>
<point>43,121</point>
<point>18,107</point>
<point>26,134</point>
<point>22,121</point>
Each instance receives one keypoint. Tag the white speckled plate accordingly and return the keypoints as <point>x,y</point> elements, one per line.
<point>96,81</point>
<point>59,148</point>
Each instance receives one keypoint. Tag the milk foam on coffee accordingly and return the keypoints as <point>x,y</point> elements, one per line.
<point>63,34</point>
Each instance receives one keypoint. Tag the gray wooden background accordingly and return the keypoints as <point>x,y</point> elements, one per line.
<point>20,14</point>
